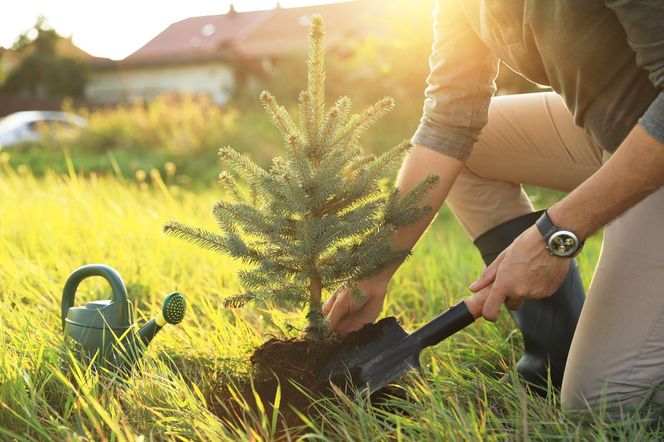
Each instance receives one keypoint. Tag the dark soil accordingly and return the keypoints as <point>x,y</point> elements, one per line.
<point>300,362</point>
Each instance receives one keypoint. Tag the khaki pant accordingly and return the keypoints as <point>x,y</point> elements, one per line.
<point>617,353</point>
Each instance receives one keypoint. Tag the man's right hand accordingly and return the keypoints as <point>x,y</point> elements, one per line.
<point>348,312</point>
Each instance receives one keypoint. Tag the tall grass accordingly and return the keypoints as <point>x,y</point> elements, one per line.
<point>51,225</point>
<point>185,130</point>
<point>175,124</point>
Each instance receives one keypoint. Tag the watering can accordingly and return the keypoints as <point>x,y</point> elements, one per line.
<point>104,330</point>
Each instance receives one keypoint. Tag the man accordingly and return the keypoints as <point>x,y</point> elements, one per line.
<point>600,136</point>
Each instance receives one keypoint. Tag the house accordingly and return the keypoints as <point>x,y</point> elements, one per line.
<point>216,55</point>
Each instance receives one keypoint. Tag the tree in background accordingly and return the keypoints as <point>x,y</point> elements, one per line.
<point>4,64</point>
<point>318,219</point>
<point>49,66</point>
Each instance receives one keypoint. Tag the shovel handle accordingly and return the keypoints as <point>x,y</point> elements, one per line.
<point>444,325</point>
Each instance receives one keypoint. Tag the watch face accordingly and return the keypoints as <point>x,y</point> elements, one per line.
<point>563,243</point>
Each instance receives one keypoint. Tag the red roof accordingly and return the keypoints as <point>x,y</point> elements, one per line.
<point>208,34</point>
<point>65,46</point>
<point>286,29</point>
<point>256,33</point>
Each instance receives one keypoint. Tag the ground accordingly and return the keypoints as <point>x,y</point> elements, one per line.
<point>51,225</point>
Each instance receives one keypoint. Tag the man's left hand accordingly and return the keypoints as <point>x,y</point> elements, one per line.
<point>523,271</point>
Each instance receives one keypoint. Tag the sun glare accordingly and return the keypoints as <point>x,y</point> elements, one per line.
<point>116,29</point>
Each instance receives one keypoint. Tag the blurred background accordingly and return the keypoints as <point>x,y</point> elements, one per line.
<point>134,88</point>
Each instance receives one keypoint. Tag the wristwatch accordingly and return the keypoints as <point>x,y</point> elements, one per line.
<point>559,242</point>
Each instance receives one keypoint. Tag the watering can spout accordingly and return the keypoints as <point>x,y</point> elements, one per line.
<point>172,312</point>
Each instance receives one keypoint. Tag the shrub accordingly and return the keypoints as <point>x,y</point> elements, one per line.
<point>176,124</point>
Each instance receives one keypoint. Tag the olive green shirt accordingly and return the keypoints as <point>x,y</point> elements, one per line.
<point>605,58</point>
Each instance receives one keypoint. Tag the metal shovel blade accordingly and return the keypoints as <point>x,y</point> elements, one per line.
<point>389,366</point>
<point>343,368</point>
<point>392,352</point>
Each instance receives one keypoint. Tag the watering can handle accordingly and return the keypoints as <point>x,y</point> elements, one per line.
<point>106,272</point>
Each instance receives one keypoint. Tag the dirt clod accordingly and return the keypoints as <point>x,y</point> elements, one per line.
<point>288,362</point>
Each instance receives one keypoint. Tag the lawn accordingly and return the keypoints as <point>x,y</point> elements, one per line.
<point>53,224</point>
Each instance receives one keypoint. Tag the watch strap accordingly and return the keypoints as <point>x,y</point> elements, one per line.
<point>545,226</point>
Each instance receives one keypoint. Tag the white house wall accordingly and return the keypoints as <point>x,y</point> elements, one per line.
<point>135,83</point>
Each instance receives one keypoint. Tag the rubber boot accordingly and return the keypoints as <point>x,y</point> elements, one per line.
<point>547,324</point>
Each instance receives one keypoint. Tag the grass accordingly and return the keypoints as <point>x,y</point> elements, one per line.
<point>53,224</point>
<point>185,130</point>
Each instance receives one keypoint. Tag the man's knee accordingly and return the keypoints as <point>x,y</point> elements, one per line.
<point>574,393</point>
<point>480,203</point>
<point>587,391</point>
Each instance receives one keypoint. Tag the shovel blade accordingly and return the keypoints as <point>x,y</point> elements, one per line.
<point>387,367</point>
<point>379,360</point>
<point>344,367</point>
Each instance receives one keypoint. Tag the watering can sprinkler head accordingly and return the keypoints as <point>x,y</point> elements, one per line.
<point>172,312</point>
<point>173,308</point>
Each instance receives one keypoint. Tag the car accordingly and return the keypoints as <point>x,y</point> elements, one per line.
<point>27,126</point>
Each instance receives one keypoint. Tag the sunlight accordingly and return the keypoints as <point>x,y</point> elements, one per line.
<point>116,29</point>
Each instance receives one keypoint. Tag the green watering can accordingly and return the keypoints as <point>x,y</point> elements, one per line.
<point>105,330</point>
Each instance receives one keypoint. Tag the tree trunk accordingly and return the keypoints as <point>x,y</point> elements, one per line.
<point>317,327</point>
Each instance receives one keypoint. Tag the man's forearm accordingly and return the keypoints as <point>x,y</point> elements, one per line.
<point>632,173</point>
<point>420,162</point>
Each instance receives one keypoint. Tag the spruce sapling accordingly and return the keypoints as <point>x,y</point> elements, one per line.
<point>316,220</point>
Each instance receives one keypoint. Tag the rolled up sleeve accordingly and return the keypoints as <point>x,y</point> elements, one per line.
<point>643,22</point>
<point>459,86</point>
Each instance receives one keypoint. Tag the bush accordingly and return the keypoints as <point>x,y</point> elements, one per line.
<point>173,124</point>
<point>185,130</point>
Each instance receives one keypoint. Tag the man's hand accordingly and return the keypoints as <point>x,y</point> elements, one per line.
<point>525,270</point>
<point>348,312</point>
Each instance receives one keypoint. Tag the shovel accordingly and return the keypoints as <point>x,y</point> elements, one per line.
<point>393,352</point>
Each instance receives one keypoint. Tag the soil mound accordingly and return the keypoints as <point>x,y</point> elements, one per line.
<point>287,363</point>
